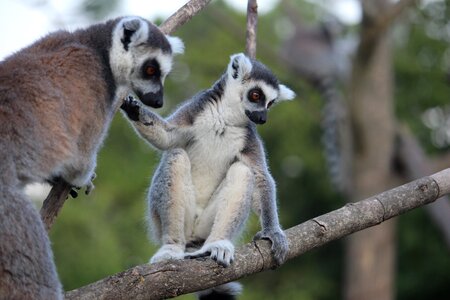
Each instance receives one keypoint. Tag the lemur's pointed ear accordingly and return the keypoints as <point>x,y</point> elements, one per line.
<point>285,93</point>
<point>239,66</point>
<point>176,44</point>
<point>134,30</point>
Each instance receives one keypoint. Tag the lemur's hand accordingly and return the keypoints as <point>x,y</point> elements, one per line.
<point>90,186</point>
<point>280,244</point>
<point>131,107</point>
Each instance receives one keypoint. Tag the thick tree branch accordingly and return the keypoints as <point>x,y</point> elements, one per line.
<point>173,278</point>
<point>184,14</point>
<point>252,25</point>
<point>60,191</point>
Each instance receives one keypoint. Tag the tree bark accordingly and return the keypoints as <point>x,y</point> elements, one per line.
<point>177,277</point>
<point>252,25</point>
<point>184,14</point>
<point>54,202</point>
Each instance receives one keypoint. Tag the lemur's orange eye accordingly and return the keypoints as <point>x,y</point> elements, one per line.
<point>255,96</point>
<point>150,70</point>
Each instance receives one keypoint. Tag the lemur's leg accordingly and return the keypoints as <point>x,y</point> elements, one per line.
<point>227,211</point>
<point>79,174</point>
<point>27,270</point>
<point>171,204</point>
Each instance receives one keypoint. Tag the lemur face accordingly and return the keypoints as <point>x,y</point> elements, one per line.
<point>141,57</point>
<point>258,87</point>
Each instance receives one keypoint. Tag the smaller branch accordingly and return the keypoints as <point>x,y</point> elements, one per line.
<point>252,24</point>
<point>184,14</point>
<point>54,203</point>
<point>177,277</point>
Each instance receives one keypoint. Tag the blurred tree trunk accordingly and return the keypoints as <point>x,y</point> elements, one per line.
<point>370,254</point>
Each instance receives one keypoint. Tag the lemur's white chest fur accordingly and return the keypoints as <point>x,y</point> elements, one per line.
<point>214,147</point>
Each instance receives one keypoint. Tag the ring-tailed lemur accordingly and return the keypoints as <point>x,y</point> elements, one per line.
<point>57,99</point>
<point>213,168</point>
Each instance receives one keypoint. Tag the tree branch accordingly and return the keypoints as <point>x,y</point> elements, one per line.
<point>252,25</point>
<point>173,278</point>
<point>60,190</point>
<point>184,14</point>
<point>54,202</point>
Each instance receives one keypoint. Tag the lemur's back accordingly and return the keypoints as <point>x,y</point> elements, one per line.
<point>42,89</point>
<point>57,98</point>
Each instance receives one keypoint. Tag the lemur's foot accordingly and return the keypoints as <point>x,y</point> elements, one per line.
<point>90,186</point>
<point>280,244</point>
<point>221,251</point>
<point>168,252</point>
<point>131,107</point>
<point>74,191</point>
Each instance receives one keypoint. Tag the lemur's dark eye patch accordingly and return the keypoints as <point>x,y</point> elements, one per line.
<point>151,69</point>
<point>270,103</point>
<point>255,95</point>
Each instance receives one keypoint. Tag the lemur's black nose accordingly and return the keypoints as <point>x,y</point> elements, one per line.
<point>155,100</point>
<point>259,117</point>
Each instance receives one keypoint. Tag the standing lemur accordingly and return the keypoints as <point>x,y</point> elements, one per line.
<point>57,99</point>
<point>213,168</point>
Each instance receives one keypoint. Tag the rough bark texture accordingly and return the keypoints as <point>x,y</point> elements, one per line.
<point>54,202</point>
<point>252,24</point>
<point>184,14</point>
<point>173,278</point>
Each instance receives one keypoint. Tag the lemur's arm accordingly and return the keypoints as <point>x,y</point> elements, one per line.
<point>154,129</point>
<point>264,199</point>
<point>265,191</point>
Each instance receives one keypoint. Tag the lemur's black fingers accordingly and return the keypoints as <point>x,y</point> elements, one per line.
<point>89,188</point>
<point>131,108</point>
<point>73,193</point>
<point>280,248</point>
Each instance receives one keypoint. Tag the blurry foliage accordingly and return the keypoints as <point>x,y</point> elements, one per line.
<point>105,233</point>
<point>98,9</point>
<point>422,66</point>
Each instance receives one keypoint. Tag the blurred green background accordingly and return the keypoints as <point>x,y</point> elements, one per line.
<point>105,233</point>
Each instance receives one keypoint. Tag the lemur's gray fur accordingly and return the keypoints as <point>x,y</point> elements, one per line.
<point>213,168</point>
<point>57,99</point>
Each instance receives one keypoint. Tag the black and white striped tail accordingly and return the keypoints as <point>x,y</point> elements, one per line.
<point>227,291</point>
